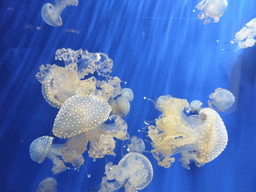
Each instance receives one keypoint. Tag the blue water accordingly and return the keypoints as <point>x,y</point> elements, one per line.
<point>158,47</point>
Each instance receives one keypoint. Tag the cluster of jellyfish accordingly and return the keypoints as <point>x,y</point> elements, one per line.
<point>91,106</point>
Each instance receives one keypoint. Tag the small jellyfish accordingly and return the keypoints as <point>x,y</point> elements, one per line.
<point>136,145</point>
<point>42,148</point>
<point>134,172</point>
<point>47,185</point>
<point>120,106</point>
<point>200,139</point>
<point>51,14</point>
<point>127,93</point>
<point>222,99</point>
<point>246,36</point>
<point>211,8</point>
<point>195,106</point>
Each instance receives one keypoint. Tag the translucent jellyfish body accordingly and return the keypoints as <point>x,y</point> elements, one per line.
<point>127,93</point>
<point>120,106</point>
<point>221,99</point>
<point>195,106</point>
<point>246,36</point>
<point>42,148</point>
<point>52,14</point>
<point>60,83</point>
<point>81,120</point>
<point>211,9</point>
<point>47,185</point>
<point>136,145</point>
<point>200,139</point>
<point>134,172</point>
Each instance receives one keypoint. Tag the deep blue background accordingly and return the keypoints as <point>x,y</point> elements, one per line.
<point>158,47</point>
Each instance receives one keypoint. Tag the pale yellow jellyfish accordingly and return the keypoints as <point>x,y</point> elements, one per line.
<point>60,83</point>
<point>120,106</point>
<point>51,14</point>
<point>81,120</point>
<point>134,172</point>
<point>246,36</point>
<point>47,185</point>
<point>221,99</point>
<point>197,138</point>
<point>127,93</point>
<point>211,9</point>
<point>136,145</point>
<point>42,148</point>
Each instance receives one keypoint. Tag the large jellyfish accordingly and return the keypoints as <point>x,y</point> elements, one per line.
<point>211,8</point>
<point>199,138</point>
<point>51,14</point>
<point>246,36</point>
<point>42,148</point>
<point>60,83</point>
<point>81,120</point>
<point>221,99</point>
<point>47,185</point>
<point>134,172</point>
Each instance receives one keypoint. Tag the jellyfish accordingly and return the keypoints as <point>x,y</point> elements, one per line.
<point>199,138</point>
<point>82,120</point>
<point>136,145</point>
<point>51,14</point>
<point>211,8</point>
<point>42,148</point>
<point>120,106</point>
<point>195,106</point>
<point>246,36</point>
<point>127,93</point>
<point>47,185</point>
<point>221,99</point>
<point>60,83</point>
<point>134,172</point>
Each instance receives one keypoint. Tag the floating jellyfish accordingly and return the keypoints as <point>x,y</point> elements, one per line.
<point>199,138</point>
<point>60,83</point>
<point>195,106</point>
<point>42,148</point>
<point>47,185</point>
<point>127,93</point>
<point>51,14</point>
<point>136,145</point>
<point>120,106</point>
<point>81,120</point>
<point>211,8</point>
<point>134,172</point>
<point>246,36</point>
<point>222,99</point>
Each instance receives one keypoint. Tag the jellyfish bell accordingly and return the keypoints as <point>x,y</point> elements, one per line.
<point>127,93</point>
<point>42,148</point>
<point>211,9</point>
<point>120,106</point>
<point>80,114</point>
<point>136,145</point>
<point>221,99</point>
<point>51,13</point>
<point>195,106</point>
<point>200,139</point>
<point>49,184</point>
